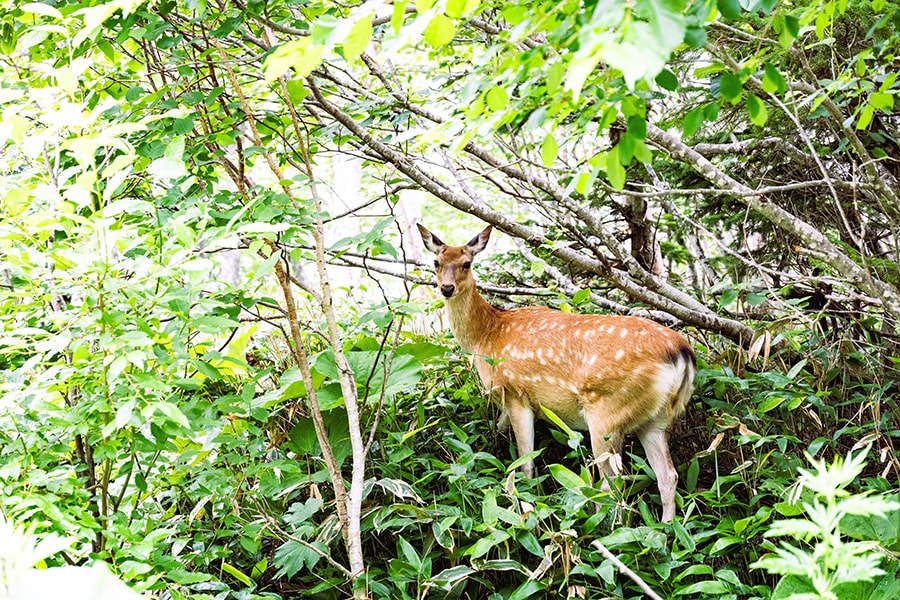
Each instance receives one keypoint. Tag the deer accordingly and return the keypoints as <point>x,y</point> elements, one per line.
<point>609,375</point>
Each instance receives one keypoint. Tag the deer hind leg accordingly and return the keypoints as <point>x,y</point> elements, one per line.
<point>656,446</point>
<point>521,418</point>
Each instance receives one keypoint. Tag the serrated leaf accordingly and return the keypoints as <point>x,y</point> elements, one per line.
<point>440,31</point>
<point>549,150</point>
<point>358,38</point>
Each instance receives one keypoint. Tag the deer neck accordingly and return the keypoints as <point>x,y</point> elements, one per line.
<point>472,321</point>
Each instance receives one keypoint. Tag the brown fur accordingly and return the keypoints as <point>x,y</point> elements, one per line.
<point>609,375</point>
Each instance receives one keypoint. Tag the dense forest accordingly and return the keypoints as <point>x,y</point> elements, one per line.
<point>225,371</point>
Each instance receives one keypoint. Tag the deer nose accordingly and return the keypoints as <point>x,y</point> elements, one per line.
<point>447,290</point>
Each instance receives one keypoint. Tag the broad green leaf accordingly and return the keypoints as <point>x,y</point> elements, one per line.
<point>497,98</point>
<point>528,589</point>
<point>549,150</point>
<point>757,110</point>
<point>555,76</point>
<point>728,296</point>
<point>667,24</point>
<point>485,544</point>
<point>692,121</point>
<point>642,152</point>
<point>667,80</point>
<point>866,117</point>
<point>440,31</point>
<point>358,38</point>
<point>773,81</point>
<point>730,87</point>
<point>637,127</point>
<point>615,172</point>
<point>730,9</point>
<point>882,100</point>
<point>459,8</point>
<point>397,15</point>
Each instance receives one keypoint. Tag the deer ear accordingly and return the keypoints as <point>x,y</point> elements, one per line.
<point>432,242</point>
<point>478,243</point>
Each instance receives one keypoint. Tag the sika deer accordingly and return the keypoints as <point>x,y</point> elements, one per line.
<point>609,375</point>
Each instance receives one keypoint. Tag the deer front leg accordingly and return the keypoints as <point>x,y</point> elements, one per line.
<point>521,418</point>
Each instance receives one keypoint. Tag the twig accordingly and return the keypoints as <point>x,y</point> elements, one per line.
<point>624,569</point>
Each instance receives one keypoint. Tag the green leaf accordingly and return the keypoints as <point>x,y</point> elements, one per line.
<point>449,577</point>
<point>866,117</point>
<point>728,296</point>
<point>757,110</point>
<point>637,127</point>
<point>642,152</point>
<point>730,87</point>
<point>692,121</point>
<point>358,38</point>
<point>397,15</point>
<point>237,574</point>
<point>549,150</point>
<point>667,80</point>
<point>882,100</point>
<point>460,8</point>
<point>615,172</point>
<point>667,27</point>
<point>440,31</point>
<point>730,9</point>
<point>497,98</point>
<point>773,81</point>
<point>529,589</point>
<point>566,478</point>
<point>484,545</point>
<point>770,404</point>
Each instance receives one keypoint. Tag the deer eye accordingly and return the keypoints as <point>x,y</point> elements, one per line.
<point>436,265</point>
<point>467,264</point>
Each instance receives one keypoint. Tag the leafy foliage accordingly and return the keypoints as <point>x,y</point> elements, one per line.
<point>731,164</point>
